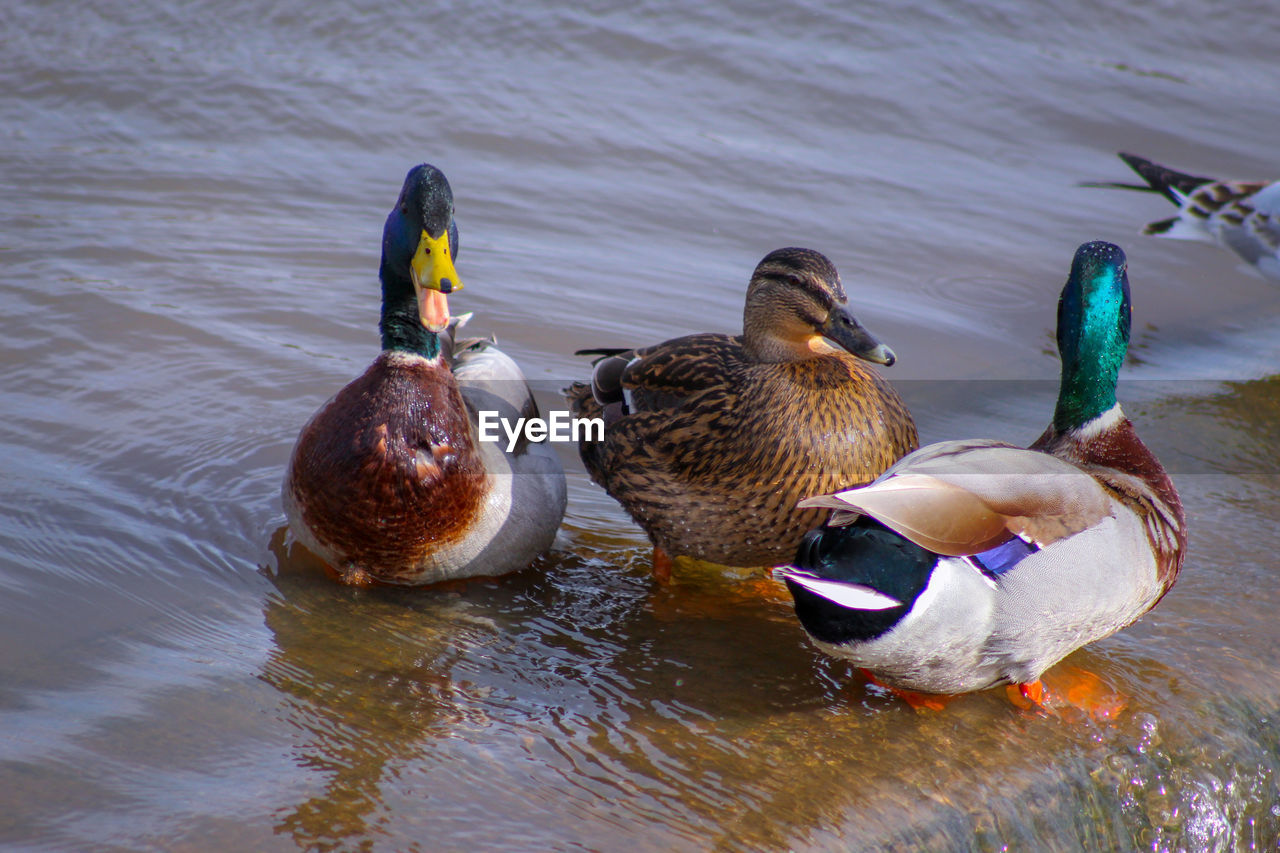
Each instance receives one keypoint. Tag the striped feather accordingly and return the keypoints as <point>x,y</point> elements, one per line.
<point>724,434</point>
<point>1242,216</point>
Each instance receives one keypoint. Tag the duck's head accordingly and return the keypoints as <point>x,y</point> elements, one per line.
<point>1093,334</point>
<point>796,309</point>
<point>419,244</point>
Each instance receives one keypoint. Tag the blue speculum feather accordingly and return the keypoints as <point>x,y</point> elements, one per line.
<point>1000,559</point>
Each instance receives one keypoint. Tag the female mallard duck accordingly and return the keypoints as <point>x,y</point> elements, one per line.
<point>1243,216</point>
<point>388,482</point>
<point>976,563</point>
<point>711,439</point>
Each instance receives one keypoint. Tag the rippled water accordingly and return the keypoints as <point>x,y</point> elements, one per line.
<point>192,202</point>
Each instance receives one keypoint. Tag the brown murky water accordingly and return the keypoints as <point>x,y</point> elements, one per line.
<point>192,198</point>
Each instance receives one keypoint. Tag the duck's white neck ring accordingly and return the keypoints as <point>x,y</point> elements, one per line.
<point>402,358</point>
<point>1103,423</point>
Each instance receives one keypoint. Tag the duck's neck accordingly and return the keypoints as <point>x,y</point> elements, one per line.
<point>1110,441</point>
<point>1088,392</point>
<point>402,329</point>
<point>771,350</point>
<point>1093,337</point>
<point>773,340</point>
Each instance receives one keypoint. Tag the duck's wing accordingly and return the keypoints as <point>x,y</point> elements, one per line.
<point>654,459</point>
<point>965,497</point>
<point>654,378</point>
<point>1177,187</point>
<point>491,382</point>
<point>660,376</point>
<point>1249,225</point>
<point>1267,200</point>
<point>1243,216</point>
<point>1171,184</point>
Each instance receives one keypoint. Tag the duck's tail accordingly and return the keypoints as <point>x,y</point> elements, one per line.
<point>1175,186</point>
<point>607,397</point>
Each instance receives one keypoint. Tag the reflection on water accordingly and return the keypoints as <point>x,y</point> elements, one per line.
<point>192,205</point>
<point>358,701</point>
<point>705,719</point>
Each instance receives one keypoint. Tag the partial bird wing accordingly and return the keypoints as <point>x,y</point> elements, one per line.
<point>1267,200</point>
<point>657,377</point>
<point>681,367</point>
<point>964,497</point>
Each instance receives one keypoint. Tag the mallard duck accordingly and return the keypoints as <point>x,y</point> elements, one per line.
<point>388,482</point>
<point>710,439</point>
<point>1243,216</point>
<point>970,564</point>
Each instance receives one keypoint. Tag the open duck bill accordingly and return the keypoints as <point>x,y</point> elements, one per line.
<point>433,278</point>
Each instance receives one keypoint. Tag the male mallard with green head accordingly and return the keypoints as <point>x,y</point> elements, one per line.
<point>975,563</point>
<point>388,482</point>
<point>711,439</point>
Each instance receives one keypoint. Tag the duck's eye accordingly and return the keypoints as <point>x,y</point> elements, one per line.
<point>404,210</point>
<point>426,250</point>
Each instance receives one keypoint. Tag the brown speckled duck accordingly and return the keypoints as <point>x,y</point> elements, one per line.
<point>711,439</point>
<point>388,482</point>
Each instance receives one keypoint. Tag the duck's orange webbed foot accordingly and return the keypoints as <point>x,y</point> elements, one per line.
<point>1069,688</point>
<point>763,589</point>
<point>1029,696</point>
<point>662,565</point>
<point>918,701</point>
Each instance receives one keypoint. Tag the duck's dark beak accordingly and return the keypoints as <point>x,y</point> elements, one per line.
<point>434,276</point>
<point>845,331</point>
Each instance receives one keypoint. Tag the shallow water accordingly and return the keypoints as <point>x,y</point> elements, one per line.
<point>192,204</point>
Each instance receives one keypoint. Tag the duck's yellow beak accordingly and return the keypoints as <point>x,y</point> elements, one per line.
<point>433,277</point>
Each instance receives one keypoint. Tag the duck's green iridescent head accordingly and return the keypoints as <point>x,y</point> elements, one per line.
<point>1093,333</point>
<point>419,243</point>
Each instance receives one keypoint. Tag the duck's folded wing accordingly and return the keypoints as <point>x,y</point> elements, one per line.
<point>965,497</point>
<point>680,367</point>
<point>491,381</point>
